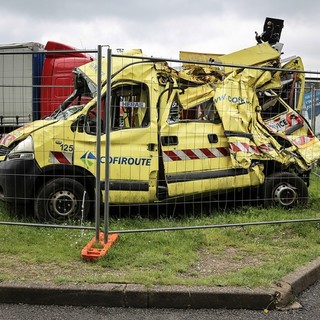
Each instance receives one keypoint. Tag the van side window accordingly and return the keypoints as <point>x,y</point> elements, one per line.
<point>205,111</point>
<point>273,109</point>
<point>130,106</point>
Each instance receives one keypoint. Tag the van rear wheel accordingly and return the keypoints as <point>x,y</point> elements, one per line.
<point>60,200</point>
<point>285,190</point>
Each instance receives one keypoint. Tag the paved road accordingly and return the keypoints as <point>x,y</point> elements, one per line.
<point>310,301</point>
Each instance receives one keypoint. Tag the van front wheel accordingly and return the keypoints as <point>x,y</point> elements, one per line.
<point>60,200</point>
<point>285,190</point>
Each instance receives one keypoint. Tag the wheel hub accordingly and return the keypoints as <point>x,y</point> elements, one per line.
<point>285,195</point>
<point>63,203</point>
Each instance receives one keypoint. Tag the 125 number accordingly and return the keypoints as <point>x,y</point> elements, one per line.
<point>66,147</point>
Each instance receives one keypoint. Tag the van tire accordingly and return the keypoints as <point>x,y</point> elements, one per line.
<point>60,200</point>
<point>284,189</point>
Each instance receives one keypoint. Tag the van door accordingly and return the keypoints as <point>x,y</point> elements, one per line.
<point>195,152</point>
<point>133,151</point>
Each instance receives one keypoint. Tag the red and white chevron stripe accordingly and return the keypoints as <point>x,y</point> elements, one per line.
<point>249,148</point>
<point>7,139</point>
<point>300,141</point>
<point>60,157</point>
<point>244,147</point>
<point>195,154</point>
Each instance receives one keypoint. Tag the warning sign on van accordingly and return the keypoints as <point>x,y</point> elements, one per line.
<point>278,125</point>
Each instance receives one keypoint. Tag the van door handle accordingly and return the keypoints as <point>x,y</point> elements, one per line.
<point>213,138</point>
<point>151,147</point>
<point>169,140</point>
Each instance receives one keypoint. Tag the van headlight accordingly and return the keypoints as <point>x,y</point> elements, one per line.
<point>23,150</point>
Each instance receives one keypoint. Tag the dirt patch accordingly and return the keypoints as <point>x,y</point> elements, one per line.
<point>78,271</point>
<point>229,261</point>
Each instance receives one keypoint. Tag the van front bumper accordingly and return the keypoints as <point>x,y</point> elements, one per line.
<point>18,180</point>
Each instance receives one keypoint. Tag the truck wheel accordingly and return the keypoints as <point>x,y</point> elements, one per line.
<point>284,189</point>
<point>60,200</point>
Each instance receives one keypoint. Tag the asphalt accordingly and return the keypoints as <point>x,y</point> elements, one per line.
<point>281,295</point>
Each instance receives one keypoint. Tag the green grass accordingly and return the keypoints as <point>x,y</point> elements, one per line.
<point>248,256</point>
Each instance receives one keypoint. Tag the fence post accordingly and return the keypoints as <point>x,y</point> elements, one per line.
<point>91,251</point>
<point>98,145</point>
<point>108,127</point>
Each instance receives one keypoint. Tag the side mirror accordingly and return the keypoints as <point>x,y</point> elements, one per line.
<point>79,124</point>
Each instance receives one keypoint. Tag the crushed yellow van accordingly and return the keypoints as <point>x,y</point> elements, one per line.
<point>184,133</point>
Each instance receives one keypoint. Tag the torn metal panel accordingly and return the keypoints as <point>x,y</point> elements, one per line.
<point>254,138</point>
<point>251,56</point>
<point>196,95</point>
<point>89,70</point>
<point>294,80</point>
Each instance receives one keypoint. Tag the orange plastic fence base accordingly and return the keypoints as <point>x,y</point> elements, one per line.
<point>95,250</point>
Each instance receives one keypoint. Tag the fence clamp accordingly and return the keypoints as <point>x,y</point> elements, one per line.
<point>97,249</point>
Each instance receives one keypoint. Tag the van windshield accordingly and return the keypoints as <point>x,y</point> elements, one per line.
<point>75,102</point>
<point>65,114</point>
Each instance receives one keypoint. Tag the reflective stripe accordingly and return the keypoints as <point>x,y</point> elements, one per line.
<point>195,154</point>
<point>300,141</point>
<point>244,147</point>
<point>60,157</point>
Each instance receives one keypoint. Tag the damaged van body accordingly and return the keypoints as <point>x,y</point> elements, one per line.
<point>230,124</point>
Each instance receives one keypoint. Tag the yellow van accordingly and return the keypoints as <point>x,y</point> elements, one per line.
<point>197,131</point>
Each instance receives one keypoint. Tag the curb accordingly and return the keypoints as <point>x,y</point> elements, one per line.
<point>181,297</point>
<point>137,296</point>
<point>296,282</point>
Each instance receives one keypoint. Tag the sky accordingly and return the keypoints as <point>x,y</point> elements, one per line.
<point>163,28</point>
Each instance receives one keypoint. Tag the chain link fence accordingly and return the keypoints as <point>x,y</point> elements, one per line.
<point>157,137</point>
